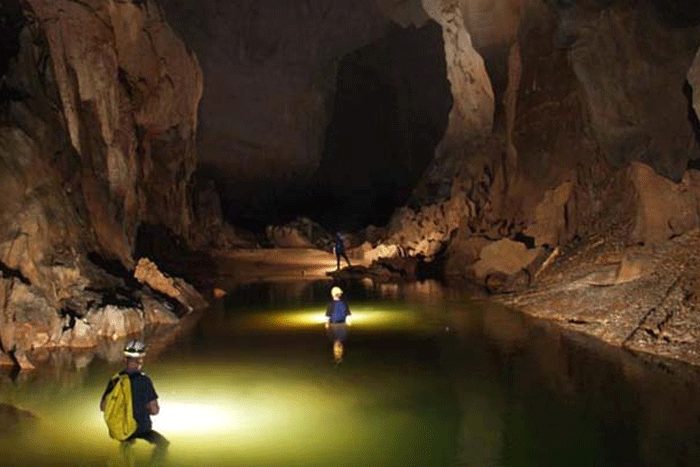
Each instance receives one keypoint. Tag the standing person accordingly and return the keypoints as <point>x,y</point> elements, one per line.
<point>339,249</point>
<point>144,402</point>
<point>338,318</point>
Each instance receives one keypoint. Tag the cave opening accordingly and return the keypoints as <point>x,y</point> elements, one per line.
<point>12,21</point>
<point>390,111</point>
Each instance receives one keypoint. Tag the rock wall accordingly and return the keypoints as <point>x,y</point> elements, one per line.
<point>594,139</point>
<point>270,71</point>
<point>99,110</point>
<point>129,91</point>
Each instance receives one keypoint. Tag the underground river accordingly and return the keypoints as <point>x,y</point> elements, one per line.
<point>429,378</point>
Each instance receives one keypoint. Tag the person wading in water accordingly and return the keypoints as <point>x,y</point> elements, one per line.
<point>337,321</point>
<point>144,401</point>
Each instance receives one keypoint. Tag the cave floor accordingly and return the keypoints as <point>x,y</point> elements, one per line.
<point>641,297</point>
<point>279,264</point>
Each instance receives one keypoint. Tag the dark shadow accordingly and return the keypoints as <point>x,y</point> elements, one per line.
<point>172,255</point>
<point>694,123</point>
<point>390,111</point>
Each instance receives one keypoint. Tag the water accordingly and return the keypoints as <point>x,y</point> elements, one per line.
<point>429,378</point>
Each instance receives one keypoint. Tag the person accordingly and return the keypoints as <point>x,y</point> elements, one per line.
<point>144,404</point>
<point>339,249</point>
<point>337,320</point>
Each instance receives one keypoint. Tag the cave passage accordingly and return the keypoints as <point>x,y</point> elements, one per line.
<point>390,111</point>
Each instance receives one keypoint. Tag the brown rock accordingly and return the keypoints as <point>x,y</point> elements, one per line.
<point>549,226</point>
<point>506,257</point>
<point>664,208</point>
<point>148,273</point>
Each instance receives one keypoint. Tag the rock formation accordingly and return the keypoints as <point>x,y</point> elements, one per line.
<point>99,117</point>
<point>597,142</point>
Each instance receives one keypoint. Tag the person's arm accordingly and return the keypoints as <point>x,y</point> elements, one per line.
<point>347,313</point>
<point>153,407</point>
<point>151,396</point>
<point>329,312</point>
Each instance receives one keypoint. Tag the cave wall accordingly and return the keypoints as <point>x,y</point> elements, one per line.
<point>128,90</point>
<point>592,122</point>
<point>270,75</point>
<point>99,113</point>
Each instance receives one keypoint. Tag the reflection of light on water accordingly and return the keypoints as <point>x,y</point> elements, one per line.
<point>180,416</point>
<point>373,318</point>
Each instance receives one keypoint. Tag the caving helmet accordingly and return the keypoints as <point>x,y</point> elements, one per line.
<point>135,349</point>
<point>336,292</point>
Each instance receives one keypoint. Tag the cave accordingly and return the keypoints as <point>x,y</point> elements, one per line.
<point>461,232</point>
<point>390,111</point>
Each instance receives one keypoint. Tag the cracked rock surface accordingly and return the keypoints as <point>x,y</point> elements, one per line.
<point>642,297</point>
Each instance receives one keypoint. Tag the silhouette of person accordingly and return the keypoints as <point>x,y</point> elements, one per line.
<point>339,249</point>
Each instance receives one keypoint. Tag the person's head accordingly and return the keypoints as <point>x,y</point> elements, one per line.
<point>135,352</point>
<point>336,293</point>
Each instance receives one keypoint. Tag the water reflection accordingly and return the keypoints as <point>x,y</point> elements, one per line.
<point>537,395</point>
<point>430,378</point>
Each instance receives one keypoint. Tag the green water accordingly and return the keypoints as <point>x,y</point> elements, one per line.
<point>429,378</point>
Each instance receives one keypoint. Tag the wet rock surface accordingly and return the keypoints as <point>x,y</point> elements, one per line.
<point>641,297</point>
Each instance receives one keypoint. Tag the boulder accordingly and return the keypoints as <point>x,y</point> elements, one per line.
<point>506,257</point>
<point>549,226</point>
<point>110,321</point>
<point>664,209</point>
<point>147,272</point>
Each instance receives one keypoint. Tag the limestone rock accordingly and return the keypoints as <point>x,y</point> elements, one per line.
<point>148,273</point>
<point>210,230</point>
<point>29,320</point>
<point>119,67</point>
<point>84,333</point>
<point>504,256</point>
<point>462,253</point>
<point>473,107</point>
<point>6,360</point>
<point>694,81</point>
<point>98,139</point>
<point>471,116</point>
<point>110,321</point>
<point>549,226</point>
<point>632,63</point>
<point>664,208</point>
<point>156,313</point>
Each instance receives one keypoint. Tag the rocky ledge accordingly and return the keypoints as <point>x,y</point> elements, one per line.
<point>641,297</point>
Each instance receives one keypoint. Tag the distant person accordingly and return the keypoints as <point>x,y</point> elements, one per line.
<point>337,321</point>
<point>339,249</point>
<point>144,403</point>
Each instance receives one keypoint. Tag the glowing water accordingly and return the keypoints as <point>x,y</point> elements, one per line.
<point>429,379</point>
<point>256,386</point>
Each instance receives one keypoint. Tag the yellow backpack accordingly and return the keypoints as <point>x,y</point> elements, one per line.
<point>119,413</point>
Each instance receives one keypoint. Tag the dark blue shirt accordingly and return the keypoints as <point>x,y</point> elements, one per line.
<point>337,311</point>
<point>339,246</point>
<point>142,392</point>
